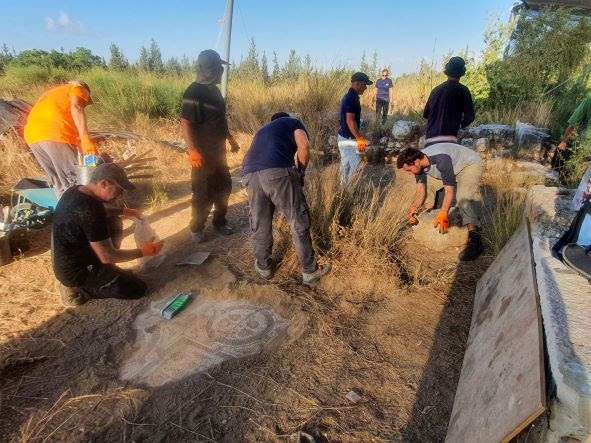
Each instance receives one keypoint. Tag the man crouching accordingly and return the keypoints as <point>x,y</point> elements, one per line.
<point>82,248</point>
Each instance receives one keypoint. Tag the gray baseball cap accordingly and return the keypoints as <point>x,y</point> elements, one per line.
<point>113,173</point>
<point>209,59</point>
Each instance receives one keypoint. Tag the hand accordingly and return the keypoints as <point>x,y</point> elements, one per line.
<point>131,213</point>
<point>234,147</point>
<point>195,158</point>
<point>562,146</point>
<point>88,147</point>
<point>150,249</point>
<point>361,144</point>
<point>442,222</point>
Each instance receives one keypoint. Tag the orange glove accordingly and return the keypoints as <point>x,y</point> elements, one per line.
<point>562,146</point>
<point>150,249</point>
<point>195,158</point>
<point>442,222</point>
<point>362,144</point>
<point>131,213</point>
<point>88,147</point>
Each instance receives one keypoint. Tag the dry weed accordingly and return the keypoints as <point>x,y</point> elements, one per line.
<point>87,415</point>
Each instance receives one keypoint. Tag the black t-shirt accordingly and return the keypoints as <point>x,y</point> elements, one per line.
<point>273,146</point>
<point>78,220</point>
<point>448,109</point>
<point>204,106</point>
<point>349,104</point>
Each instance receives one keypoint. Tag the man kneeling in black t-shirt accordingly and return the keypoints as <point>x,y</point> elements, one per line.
<point>82,249</point>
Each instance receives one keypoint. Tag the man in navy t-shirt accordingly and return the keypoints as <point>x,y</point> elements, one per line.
<point>273,174</point>
<point>383,87</point>
<point>350,141</point>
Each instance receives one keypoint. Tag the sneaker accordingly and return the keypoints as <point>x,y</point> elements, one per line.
<point>197,237</point>
<point>71,296</point>
<point>224,230</point>
<point>578,258</point>
<point>311,278</point>
<point>473,248</point>
<point>265,273</point>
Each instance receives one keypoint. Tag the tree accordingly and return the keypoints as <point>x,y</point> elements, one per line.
<point>250,66</point>
<point>186,65</point>
<point>144,60</point>
<point>5,57</point>
<point>307,64</point>
<point>293,66</point>
<point>155,57</point>
<point>276,69</point>
<point>173,66</point>
<point>264,69</point>
<point>118,62</point>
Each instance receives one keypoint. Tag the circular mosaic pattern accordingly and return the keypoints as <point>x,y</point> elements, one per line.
<point>240,325</point>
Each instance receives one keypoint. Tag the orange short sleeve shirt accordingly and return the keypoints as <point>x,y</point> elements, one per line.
<point>50,118</point>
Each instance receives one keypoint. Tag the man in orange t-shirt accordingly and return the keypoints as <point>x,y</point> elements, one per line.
<point>56,130</point>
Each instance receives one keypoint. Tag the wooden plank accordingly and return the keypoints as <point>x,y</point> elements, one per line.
<point>501,388</point>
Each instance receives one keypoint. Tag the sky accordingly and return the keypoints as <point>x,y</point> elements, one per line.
<point>333,33</point>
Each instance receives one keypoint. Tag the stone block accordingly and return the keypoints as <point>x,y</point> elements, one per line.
<point>565,301</point>
<point>427,235</point>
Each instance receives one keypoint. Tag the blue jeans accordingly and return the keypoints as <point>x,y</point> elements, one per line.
<point>350,158</point>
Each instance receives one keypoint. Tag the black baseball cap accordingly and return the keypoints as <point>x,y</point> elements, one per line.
<point>113,173</point>
<point>209,59</point>
<point>361,77</point>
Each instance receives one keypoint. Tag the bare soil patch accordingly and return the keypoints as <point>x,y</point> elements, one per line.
<point>64,373</point>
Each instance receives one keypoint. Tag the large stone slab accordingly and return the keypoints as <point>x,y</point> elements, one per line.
<point>565,299</point>
<point>501,388</point>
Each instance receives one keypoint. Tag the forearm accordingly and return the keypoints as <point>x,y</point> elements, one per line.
<point>420,195</point>
<point>79,118</point>
<point>448,198</point>
<point>568,133</point>
<point>188,135</point>
<point>123,255</point>
<point>352,125</point>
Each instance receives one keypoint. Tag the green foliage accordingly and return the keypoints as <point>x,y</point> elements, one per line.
<point>118,62</point>
<point>78,60</point>
<point>545,51</point>
<point>120,96</point>
<point>151,58</point>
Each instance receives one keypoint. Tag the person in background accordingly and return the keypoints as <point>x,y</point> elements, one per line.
<point>274,170</point>
<point>350,141</point>
<point>83,252</point>
<point>205,130</point>
<point>56,131</point>
<point>458,170</point>
<point>579,122</point>
<point>449,107</point>
<point>383,95</point>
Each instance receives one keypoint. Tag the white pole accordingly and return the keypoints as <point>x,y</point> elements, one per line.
<point>228,36</point>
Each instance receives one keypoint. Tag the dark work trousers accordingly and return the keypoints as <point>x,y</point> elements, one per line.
<point>107,281</point>
<point>212,185</point>
<point>279,188</point>
<point>382,109</point>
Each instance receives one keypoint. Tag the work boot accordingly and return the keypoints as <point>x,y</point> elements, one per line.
<point>312,277</point>
<point>224,230</point>
<point>264,273</point>
<point>71,296</point>
<point>198,237</point>
<point>473,248</point>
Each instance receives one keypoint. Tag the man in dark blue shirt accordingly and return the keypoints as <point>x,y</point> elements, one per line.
<point>350,141</point>
<point>273,174</point>
<point>449,107</point>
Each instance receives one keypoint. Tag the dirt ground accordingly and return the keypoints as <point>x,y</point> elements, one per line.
<point>65,373</point>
